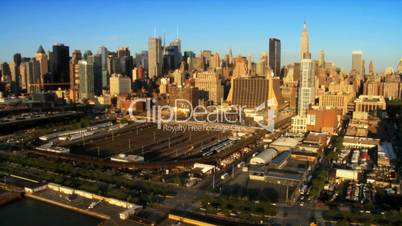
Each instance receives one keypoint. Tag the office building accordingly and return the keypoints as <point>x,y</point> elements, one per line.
<point>188,93</point>
<point>33,77</point>
<point>249,91</point>
<point>23,76</point>
<point>119,85</point>
<point>323,120</point>
<point>275,56</point>
<point>372,87</point>
<point>41,57</point>
<point>60,65</point>
<point>5,75</point>
<point>155,57</point>
<point>17,58</point>
<point>306,86</point>
<point>371,68</point>
<point>306,92</point>
<point>104,54</point>
<point>335,100</point>
<point>87,54</point>
<point>209,84</point>
<point>15,78</point>
<point>357,64</point>
<point>123,51</point>
<point>126,65</point>
<point>172,56</point>
<point>321,60</point>
<point>76,56</point>
<point>96,61</point>
<point>86,80</point>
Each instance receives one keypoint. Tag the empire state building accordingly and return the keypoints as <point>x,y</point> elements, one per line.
<point>304,44</point>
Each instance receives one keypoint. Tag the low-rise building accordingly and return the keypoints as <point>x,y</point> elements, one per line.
<point>285,143</point>
<point>264,157</point>
<point>347,174</point>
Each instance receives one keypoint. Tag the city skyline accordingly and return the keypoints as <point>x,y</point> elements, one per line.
<point>213,112</point>
<point>247,34</point>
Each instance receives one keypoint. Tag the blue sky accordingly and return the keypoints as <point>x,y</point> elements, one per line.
<point>337,27</point>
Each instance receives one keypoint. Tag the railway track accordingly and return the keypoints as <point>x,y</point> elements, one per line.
<point>145,165</point>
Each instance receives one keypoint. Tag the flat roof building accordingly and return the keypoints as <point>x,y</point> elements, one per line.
<point>120,85</point>
<point>367,103</point>
<point>285,143</point>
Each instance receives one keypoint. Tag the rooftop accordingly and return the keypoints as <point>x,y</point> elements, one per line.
<point>286,141</point>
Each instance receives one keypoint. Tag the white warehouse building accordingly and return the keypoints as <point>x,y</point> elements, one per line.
<point>264,157</point>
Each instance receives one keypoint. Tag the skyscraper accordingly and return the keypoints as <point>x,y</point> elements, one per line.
<point>155,57</point>
<point>33,76</point>
<point>17,59</point>
<point>371,68</point>
<point>123,51</point>
<point>6,72</point>
<point>104,53</point>
<point>86,76</point>
<point>304,44</point>
<point>126,65</point>
<point>169,61</point>
<point>321,61</point>
<point>41,57</point>
<point>61,59</point>
<point>98,76</point>
<point>275,55</point>
<point>306,86</point>
<point>178,53</point>
<point>357,63</point>
<point>76,56</point>
<point>23,76</point>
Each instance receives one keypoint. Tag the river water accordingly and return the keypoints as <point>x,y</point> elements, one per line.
<point>29,212</point>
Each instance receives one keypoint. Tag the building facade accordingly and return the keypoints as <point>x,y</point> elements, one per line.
<point>155,57</point>
<point>120,85</point>
<point>86,80</point>
<point>306,86</point>
<point>211,84</point>
<point>275,56</point>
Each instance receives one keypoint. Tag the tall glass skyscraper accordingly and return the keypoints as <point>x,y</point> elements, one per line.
<point>61,61</point>
<point>275,55</point>
<point>104,53</point>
